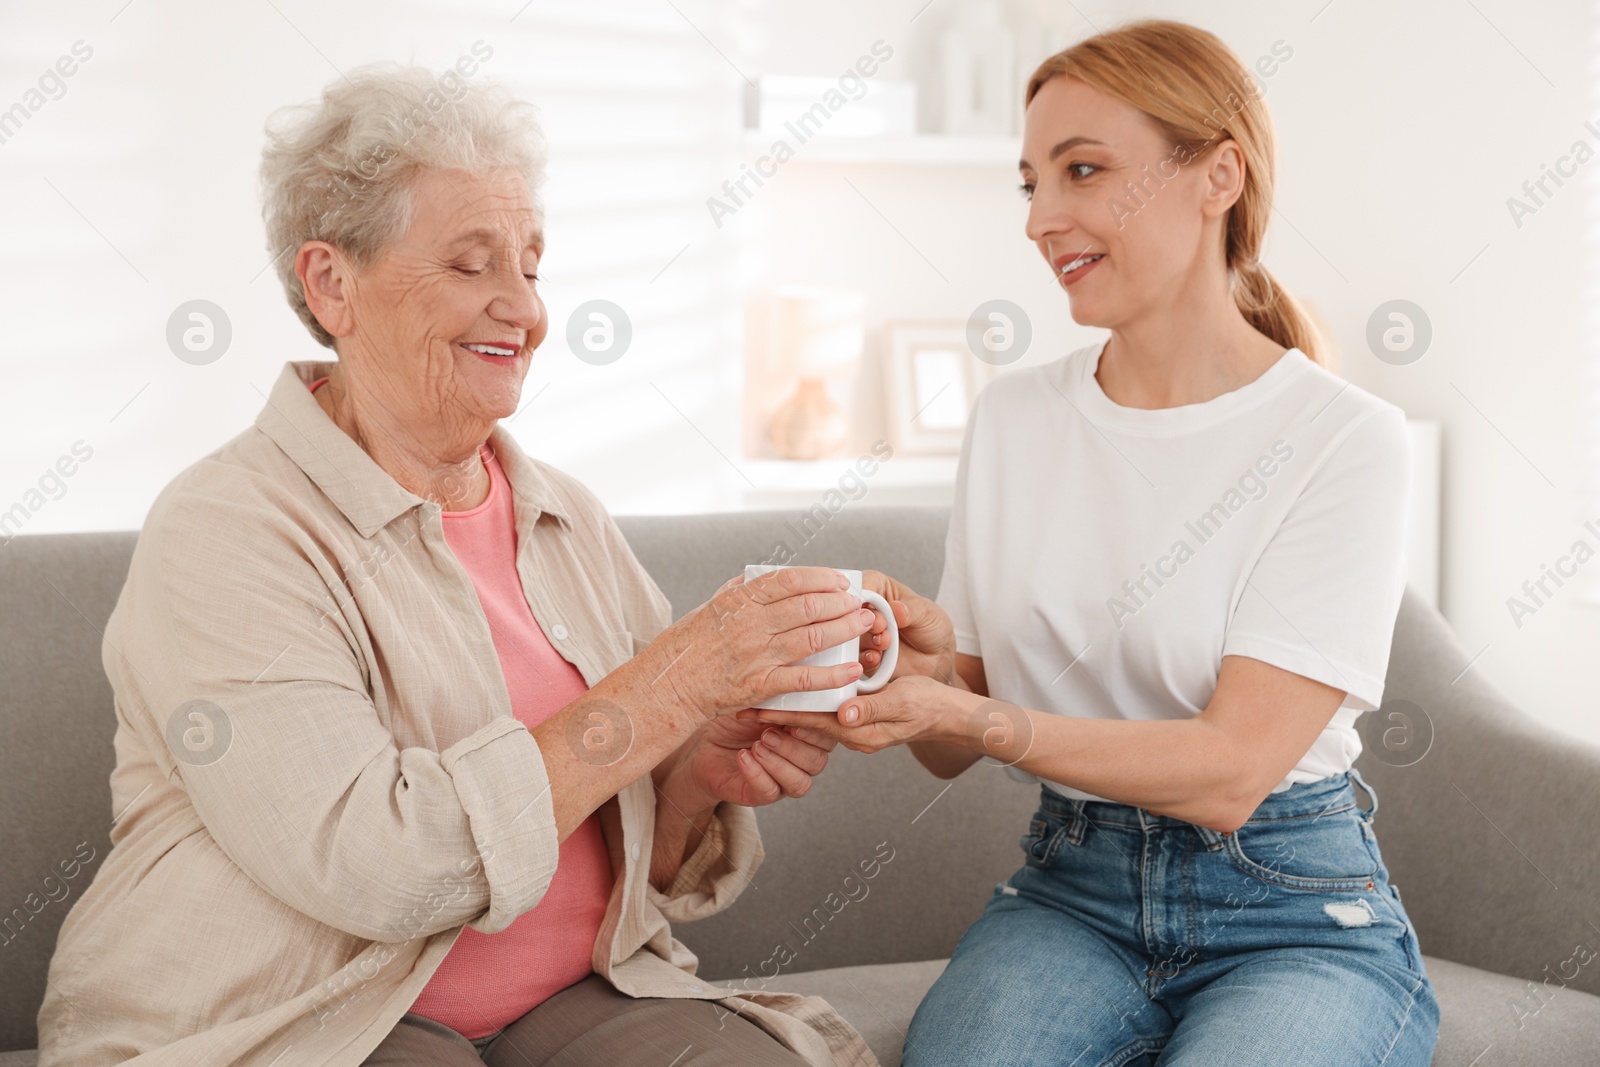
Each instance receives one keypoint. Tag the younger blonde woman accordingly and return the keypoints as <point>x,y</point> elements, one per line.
<point>1172,573</point>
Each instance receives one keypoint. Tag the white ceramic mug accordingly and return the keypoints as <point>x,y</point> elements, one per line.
<point>829,700</point>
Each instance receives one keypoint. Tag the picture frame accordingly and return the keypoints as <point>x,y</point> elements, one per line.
<point>930,380</point>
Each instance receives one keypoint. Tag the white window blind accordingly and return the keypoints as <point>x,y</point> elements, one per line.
<point>643,116</point>
<point>135,191</point>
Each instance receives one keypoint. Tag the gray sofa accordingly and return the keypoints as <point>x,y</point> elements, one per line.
<point>1493,835</point>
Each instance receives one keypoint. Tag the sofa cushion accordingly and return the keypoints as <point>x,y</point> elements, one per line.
<point>1479,1024</point>
<point>877,1000</point>
<point>1491,1020</point>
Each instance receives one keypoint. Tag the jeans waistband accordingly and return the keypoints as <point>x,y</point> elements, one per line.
<point>1333,793</point>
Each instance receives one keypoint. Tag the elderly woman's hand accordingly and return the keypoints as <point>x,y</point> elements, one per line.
<point>728,759</point>
<point>751,763</point>
<point>740,648</point>
<point>737,650</point>
<point>659,713</point>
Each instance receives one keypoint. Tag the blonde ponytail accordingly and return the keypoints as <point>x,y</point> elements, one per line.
<point>1198,93</point>
<point>1268,307</point>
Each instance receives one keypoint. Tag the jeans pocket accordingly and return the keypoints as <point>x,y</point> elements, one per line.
<point>1328,851</point>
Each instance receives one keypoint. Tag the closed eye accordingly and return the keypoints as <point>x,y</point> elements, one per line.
<point>473,273</point>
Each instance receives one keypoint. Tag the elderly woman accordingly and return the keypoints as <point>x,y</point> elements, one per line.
<point>411,767</point>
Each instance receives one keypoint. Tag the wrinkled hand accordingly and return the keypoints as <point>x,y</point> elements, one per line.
<point>739,648</point>
<point>927,637</point>
<point>749,763</point>
<point>913,708</point>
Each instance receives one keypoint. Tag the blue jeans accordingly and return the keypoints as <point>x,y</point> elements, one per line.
<point>1129,938</point>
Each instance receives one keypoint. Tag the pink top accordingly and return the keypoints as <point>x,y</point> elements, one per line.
<point>488,980</point>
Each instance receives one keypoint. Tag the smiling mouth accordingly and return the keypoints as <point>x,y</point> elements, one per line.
<point>492,349</point>
<point>1079,263</point>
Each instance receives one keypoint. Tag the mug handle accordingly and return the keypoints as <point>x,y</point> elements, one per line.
<point>885,671</point>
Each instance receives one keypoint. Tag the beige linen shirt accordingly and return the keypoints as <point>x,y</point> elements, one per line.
<point>319,779</point>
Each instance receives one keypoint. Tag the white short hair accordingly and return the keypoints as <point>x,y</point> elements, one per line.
<point>341,169</point>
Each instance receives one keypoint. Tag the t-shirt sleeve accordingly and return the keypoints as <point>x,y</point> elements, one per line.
<point>1322,599</point>
<point>954,592</point>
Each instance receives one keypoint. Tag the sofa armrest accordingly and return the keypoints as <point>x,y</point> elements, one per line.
<point>1493,835</point>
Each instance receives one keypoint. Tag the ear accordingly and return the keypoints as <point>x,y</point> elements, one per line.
<point>328,281</point>
<point>1225,176</point>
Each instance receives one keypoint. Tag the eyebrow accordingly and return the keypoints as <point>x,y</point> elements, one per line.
<point>1063,147</point>
<point>488,236</point>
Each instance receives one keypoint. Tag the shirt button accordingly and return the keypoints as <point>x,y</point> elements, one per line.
<point>635,850</point>
<point>559,632</point>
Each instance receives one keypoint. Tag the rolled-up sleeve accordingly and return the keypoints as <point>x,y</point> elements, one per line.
<point>514,829</point>
<point>290,764</point>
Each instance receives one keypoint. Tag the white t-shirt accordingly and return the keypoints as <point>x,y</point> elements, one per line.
<point>1103,559</point>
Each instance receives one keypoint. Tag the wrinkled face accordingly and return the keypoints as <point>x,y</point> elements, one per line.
<point>1118,212</point>
<point>445,321</point>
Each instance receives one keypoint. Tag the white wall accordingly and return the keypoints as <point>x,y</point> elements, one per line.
<point>1404,128</point>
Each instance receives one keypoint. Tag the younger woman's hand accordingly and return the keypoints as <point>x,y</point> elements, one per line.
<point>927,637</point>
<point>913,708</point>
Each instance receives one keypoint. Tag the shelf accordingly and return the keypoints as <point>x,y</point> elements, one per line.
<point>818,476</point>
<point>921,149</point>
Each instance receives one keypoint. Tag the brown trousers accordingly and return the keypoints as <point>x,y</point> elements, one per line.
<point>591,1023</point>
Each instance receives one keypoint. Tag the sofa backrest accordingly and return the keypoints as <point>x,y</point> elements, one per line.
<point>1497,887</point>
<point>56,592</point>
<point>1489,820</point>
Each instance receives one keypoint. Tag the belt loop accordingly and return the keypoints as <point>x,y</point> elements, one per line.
<point>1355,776</point>
<point>1078,821</point>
